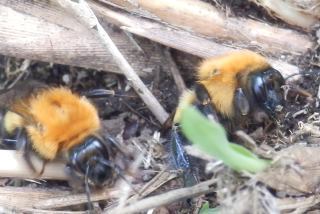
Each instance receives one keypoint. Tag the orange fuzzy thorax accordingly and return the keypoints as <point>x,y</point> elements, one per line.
<point>220,76</point>
<point>61,121</point>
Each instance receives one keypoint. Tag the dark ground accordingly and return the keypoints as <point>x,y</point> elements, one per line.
<point>126,117</point>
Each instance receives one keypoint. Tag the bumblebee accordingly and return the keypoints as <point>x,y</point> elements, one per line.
<point>230,89</point>
<point>52,122</point>
<point>241,83</point>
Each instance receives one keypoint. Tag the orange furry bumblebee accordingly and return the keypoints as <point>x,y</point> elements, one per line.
<point>240,83</point>
<point>56,121</point>
<point>231,87</point>
<point>59,120</point>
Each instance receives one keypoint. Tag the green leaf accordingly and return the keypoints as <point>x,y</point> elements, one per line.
<point>242,150</point>
<point>211,138</point>
<point>206,210</point>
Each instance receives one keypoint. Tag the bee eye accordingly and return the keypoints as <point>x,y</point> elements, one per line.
<point>266,88</point>
<point>258,88</point>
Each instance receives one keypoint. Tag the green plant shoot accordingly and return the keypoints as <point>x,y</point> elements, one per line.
<point>211,138</point>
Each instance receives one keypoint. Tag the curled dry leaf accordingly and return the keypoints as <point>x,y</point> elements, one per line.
<point>296,171</point>
<point>308,6</point>
<point>251,199</point>
<point>300,204</point>
<point>308,11</point>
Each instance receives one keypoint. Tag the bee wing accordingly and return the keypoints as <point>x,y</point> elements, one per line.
<point>241,102</point>
<point>15,99</point>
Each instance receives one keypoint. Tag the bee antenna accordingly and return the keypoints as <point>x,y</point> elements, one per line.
<point>9,140</point>
<point>98,93</point>
<point>102,93</point>
<point>88,188</point>
<point>8,143</point>
<point>118,172</point>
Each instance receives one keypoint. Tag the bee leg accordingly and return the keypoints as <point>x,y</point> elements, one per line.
<point>24,145</point>
<point>296,90</point>
<point>118,172</point>
<point>116,148</point>
<point>115,144</point>
<point>8,141</point>
<point>204,104</point>
<point>44,163</point>
<point>87,187</point>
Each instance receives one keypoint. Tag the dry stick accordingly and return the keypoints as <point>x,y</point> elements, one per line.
<point>12,164</point>
<point>25,197</point>
<point>70,200</point>
<point>14,209</point>
<point>82,10</point>
<point>175,71</point>
<point>80,48</point>
<point>175,38</point>
<point>167,198</point>
<point>204,19</point>
<point>48,199</point>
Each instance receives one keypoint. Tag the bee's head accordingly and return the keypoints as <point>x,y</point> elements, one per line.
<point>266,89</point>
<point>92,160</point>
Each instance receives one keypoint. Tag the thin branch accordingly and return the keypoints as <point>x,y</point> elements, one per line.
<point>167,198</point>
<point>12,164</point>
<point>174,71</point>
<point>84,13</point>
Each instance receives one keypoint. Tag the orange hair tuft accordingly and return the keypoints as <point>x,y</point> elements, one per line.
<point>61,121</point>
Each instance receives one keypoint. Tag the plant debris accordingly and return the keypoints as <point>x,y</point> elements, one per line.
<point>164,50</point>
